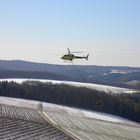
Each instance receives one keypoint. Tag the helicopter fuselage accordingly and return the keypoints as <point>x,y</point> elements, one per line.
<point>70,57</point>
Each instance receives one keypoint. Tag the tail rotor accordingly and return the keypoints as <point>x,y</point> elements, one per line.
<point>87,56</point>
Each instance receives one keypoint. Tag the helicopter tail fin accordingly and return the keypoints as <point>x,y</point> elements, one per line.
<point>87,56</point>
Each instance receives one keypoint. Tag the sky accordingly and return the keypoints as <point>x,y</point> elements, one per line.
<point>42,30</point>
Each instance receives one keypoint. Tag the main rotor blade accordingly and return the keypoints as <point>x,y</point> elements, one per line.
<point>68,50</point>
<point>77,52</point>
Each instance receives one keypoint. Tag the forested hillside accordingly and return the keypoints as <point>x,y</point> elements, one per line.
<point>125,105</point>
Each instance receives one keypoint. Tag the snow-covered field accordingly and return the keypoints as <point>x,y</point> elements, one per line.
<point>75,112</point>
<point>106,88</point>
<point>81,124</point>
<point>37,105</point>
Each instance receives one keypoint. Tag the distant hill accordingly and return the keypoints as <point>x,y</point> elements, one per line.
<point>110,75</point>
<point>32,74</point>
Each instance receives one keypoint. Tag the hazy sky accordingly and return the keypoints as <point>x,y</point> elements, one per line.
<point>42,30</point>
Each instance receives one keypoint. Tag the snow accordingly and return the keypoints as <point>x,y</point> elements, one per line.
<point>72,111</point>
<point>103,116</point>
<point>49,107</point>
<point>83,113</point>
<point>105,88</point>
<point>20,102</point>
<point>81,124</point>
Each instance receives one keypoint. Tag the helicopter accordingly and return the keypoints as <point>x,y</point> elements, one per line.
<point>71,56</point>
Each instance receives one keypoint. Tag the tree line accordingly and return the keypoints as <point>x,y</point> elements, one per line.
<point>124,105</point>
